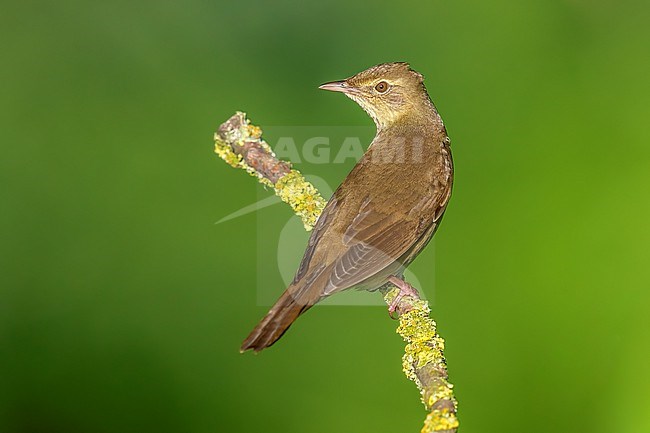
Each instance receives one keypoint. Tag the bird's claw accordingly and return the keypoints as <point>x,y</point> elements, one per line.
<point>405,289</point>
<point>392,308</point>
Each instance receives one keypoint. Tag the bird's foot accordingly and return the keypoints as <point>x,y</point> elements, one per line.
<point>405,289</point>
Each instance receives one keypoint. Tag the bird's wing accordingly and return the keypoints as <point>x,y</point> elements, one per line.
<point>372,242</point>
<point>316,236</point>
<point>357,237</point>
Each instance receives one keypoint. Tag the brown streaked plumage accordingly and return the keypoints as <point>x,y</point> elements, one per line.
<point>388,207</point>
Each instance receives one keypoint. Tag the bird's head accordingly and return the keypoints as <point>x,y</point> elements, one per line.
<point>387,92</point>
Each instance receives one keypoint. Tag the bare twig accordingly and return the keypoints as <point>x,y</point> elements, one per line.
<point>240,144</point>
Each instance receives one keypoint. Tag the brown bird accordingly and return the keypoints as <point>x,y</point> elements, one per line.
<point>385,211</point>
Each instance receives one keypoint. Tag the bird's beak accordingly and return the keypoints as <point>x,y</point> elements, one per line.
<point>336,86</point>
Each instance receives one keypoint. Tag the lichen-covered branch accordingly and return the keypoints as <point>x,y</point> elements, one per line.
<point>240,144</point>
<point>424,362</point>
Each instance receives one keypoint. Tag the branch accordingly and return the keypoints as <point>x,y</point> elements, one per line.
<point>240,144</point>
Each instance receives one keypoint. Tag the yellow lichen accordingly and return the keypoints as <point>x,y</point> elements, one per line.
<point>254,131</point>
<point>440,420</point>
<point>424,347</point>
<point>302,196</point>
<point>443,391</point>
<point>225,152</point>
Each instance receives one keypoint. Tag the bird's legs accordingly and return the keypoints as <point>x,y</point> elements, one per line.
<point>405,289</point>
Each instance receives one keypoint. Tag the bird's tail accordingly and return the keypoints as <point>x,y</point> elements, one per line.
<point>286,310</point>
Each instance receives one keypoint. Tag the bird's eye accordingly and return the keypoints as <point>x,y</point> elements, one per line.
<point>381,87</point>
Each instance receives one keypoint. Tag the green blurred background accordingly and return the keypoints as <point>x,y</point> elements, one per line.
<point>123,305</point>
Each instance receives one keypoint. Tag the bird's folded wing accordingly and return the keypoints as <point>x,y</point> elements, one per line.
<point>373,241</point>
<point>371,250</point>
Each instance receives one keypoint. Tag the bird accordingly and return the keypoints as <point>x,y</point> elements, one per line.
<point>385,211</point>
